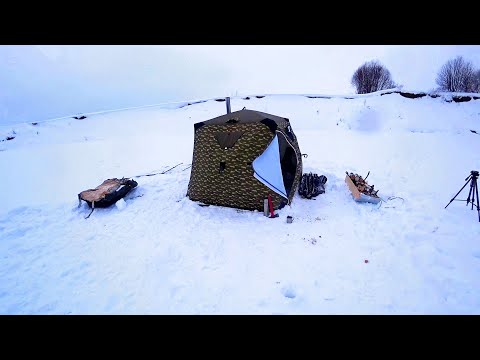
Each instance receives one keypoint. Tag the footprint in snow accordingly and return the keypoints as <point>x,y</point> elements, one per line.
<point>289,292</point>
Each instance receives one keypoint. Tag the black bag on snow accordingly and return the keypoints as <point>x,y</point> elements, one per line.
<point>312,185</point>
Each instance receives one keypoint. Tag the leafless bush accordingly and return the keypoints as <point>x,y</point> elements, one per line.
<point>477,81</point>
<point>372,76</point>
<point>458,75</point>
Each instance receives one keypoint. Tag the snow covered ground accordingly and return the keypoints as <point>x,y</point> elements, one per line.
<point>160,253</point>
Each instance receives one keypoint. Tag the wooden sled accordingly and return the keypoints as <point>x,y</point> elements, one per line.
<point>357,195</point>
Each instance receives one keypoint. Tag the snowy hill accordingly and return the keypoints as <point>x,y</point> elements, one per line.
<point>164,254</point>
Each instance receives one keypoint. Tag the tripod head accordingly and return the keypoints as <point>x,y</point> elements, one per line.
<point>473,175</point>
<point>472,178</point>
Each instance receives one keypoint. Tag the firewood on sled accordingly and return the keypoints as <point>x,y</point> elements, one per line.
<point>361,191</point>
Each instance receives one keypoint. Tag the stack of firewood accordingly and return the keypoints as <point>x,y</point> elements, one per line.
<point>362,185</point>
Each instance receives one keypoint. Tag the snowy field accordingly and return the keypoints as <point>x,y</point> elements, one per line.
<point>160,253</point>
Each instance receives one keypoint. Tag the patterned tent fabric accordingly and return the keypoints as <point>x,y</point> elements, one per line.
<point>224,150</point>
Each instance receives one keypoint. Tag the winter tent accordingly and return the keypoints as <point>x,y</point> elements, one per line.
<point>242,157</point>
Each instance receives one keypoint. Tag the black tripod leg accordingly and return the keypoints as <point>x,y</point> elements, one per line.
<point>470,193</point>
<point>472,190</point>
<point>478,207</point>
<point>468,178</point>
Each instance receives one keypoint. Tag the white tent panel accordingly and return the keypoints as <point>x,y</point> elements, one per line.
<point>267,168</point>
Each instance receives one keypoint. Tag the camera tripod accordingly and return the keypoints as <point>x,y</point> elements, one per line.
<point>473,190</point>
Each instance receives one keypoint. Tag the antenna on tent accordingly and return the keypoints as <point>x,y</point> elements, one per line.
<point>228,105</point>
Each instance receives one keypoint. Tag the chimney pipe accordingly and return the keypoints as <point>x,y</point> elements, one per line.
<point>228,105</point>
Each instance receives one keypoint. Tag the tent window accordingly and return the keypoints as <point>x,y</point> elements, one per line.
<point>277,165</point>
<point>227,140</point>
<point>288,162</point>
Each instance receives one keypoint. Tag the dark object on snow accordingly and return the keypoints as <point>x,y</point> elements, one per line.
<point>473,131</point>
<point>289,219</point>
<point>10,137</point>
<point>461,98</point>
<point>412,95</point>
<point>312,185</point>
<point>472,178</point>
<point>80,117</point>
<point>106,194</point>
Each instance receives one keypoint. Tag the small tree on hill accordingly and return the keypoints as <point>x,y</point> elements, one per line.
<point>477,81</point>
<point>372,76</point>
<point>458,75</point>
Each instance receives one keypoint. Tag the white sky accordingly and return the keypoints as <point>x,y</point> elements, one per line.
<point>41,82</point>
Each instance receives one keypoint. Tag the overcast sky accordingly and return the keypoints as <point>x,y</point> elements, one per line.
<point>42,82</point>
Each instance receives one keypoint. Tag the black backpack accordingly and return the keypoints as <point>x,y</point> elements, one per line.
<point>312,185</point>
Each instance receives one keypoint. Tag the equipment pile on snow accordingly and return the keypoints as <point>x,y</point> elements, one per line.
<point>312,185</point>
<point>361,191</point>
